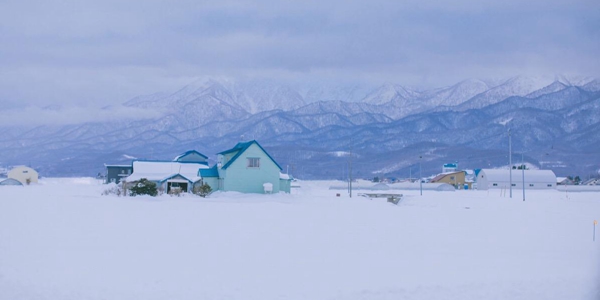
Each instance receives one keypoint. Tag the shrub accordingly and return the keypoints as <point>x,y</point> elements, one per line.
<point>113,189</point>
<point>143,187</point>
<point>202,190</point>
<point>175,192</point>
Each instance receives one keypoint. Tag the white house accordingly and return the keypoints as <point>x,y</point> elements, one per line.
<point>23,174</point>
<point>498,178</point>
<point>168,175</point>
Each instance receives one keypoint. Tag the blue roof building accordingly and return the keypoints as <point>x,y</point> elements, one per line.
<point>246,168</point>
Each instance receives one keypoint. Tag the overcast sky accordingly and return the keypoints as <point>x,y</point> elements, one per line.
<point>77,52</point>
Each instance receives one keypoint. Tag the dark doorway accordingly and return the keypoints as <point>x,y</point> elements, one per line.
<point>177,186</point>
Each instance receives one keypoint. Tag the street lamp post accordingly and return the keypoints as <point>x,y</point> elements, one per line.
<point>420,176</point>
<point>510,162</point>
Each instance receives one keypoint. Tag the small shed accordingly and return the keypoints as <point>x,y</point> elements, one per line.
<point>23,174</point>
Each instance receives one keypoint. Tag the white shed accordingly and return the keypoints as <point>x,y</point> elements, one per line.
<point>23,174</point>
<point>498,178</point>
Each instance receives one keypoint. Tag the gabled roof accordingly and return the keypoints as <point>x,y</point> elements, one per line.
<point>186,153</point>
<point>240,148</point>
<point>442,175</point>
<point>178,175</point>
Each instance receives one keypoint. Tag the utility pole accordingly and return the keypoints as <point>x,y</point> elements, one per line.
<point>350,172</point>
<point>510,162</point>
<point>523,168</point>
<point>420,176</point>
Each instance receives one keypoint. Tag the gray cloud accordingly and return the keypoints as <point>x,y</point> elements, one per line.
<point>105,52</point>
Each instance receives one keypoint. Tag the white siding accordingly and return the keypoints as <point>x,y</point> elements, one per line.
<point>534,179</point>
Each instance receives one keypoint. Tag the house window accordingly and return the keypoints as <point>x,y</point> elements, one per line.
<point>549,185</point>
<point>531,184</point>
<point>253,162</point>
<point>514,184</point>
<point>495,184</point>
<point>25,171</point>
<point>451,177</point>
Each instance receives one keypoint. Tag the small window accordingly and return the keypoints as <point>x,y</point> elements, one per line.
<point>451,177</point>
<point>549,185</point>
<point>253,162</point>
<point>25,171</point>
<point>531,184</point>
<point>495,184</point>
<point>514,184</point>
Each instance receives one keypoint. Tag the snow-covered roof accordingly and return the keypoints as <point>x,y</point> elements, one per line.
<point>187,153</point>
<point>163,170</point>
<point>501,175</point>
<point>284,176</point>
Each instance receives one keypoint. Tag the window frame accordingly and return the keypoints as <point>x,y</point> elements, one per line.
<point>253,162</point>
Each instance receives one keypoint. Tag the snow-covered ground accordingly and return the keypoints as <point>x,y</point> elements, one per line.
<point>62,240</point>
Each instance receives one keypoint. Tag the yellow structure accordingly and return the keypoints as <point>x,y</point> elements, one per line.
<point>457,179</point>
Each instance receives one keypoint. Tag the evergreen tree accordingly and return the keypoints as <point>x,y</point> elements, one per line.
<point>143,187</point>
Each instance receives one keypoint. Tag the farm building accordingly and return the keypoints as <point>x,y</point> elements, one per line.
<point>457,179</point>
<point>23,174</point>
<point>497,178</point>
<point>246,168</point>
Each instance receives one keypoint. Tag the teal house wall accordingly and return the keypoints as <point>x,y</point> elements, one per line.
<point>237,173</point>
<point>210,177</point>
<point>245,168</point>
<point>285,185</point>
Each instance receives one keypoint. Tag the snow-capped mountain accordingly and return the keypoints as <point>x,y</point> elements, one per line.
<point>516,86</point>
<point>391,94</point>
<point>388,128</point>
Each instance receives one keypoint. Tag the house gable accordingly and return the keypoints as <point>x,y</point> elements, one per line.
<point>249,169</point>
<point>231,155</point>
<point>191,156</point>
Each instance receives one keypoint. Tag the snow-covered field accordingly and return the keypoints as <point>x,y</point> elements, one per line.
<point>62,240</point>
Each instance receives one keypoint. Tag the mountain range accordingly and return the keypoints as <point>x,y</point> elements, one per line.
<point>317,132</point>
